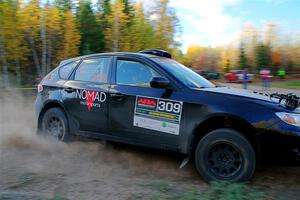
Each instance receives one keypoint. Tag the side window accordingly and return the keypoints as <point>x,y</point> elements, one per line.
<point>93,70</point>
<point>65,70</point>
<point>134,73</point>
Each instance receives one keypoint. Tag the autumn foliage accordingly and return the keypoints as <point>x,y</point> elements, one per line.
<point>36,35</point>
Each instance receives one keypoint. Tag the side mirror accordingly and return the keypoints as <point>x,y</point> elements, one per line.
<point>159,82</point>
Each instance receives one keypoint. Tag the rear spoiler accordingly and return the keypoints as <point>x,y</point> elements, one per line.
<point>289,101</point>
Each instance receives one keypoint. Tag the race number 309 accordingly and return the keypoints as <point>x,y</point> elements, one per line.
<point>167,106</point>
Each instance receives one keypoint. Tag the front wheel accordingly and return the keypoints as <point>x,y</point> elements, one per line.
<point>55,124</point>
<point>225,155</point>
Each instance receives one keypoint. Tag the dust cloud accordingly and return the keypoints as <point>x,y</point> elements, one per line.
<point>35,166</point>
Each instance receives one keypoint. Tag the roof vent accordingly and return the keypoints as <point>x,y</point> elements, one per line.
<point>157,52</point>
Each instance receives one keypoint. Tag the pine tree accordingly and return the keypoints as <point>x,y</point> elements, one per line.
<point>104,13</point>
<point>263,56</point>
<point>242,58</point>
<point>92,38</point>
<point>140,34</point>
<point>129,11</point>
<point>104,7</point>
<point>63,6</point>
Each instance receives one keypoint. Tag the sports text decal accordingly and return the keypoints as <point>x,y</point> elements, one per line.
<point>91,98</point>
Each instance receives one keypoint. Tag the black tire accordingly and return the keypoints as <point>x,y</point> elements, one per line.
<point>225,155</point>
<point>55,125</point>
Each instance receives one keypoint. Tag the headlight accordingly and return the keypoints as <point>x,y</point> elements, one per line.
<point>289,118</point>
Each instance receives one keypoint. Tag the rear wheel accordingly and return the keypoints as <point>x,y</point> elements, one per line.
<point>55,124</point>
<point>225,155</point>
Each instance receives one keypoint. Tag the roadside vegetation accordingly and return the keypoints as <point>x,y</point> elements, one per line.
<point>216,191</point>
<point>295,84</point>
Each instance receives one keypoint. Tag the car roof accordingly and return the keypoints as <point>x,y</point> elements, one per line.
<point>130,54</point>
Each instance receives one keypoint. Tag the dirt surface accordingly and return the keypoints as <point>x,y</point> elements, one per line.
<point>35,168</point>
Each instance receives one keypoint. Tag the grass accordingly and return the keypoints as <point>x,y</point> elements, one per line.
<point>217,191</point>
<point>22,181</point>
<point>295,84</point>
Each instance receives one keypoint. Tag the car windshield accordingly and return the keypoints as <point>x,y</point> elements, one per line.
<point>187,76</point>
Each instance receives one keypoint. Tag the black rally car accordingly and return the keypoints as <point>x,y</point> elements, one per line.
<point>151,100</point>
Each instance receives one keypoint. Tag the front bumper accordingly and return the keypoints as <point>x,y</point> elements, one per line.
<point>280,142</point>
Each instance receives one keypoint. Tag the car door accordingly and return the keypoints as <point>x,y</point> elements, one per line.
<point>134,105</point>
<point>85,94</point>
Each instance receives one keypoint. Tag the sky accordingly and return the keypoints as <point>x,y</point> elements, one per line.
<point>217,22</point>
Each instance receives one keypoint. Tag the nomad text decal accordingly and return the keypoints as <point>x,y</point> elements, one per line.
<point>91,98</point>
<point>158,114</point>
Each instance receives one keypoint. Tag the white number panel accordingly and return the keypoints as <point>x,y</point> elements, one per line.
<point>162,115</point>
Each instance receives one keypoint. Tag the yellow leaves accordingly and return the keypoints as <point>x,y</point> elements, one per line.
<point>116,32</point>
<point>126,33</point>
<point>11,31</point>
<point>139,11</point>
<point>140,34</point>
<point>71,37</point>
<point>52,19</point>
<point>30,17</point>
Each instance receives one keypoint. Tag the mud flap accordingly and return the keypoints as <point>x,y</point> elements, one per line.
<point>184,162</point>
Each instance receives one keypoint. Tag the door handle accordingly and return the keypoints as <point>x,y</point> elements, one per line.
<point>117,96</point>
<point>69,90</point>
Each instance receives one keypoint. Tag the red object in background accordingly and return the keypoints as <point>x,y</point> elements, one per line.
<point>231,77</point>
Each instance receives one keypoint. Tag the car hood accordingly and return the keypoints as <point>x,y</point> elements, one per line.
<point>241,93</point>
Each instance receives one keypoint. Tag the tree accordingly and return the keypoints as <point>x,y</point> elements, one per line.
<point>193,56</point>
<point>227,66</point>
<point>295,52</point>
<point>71,38</point>
<point>50,36</point>
<point>30,17</point>
<point>6,11</point>
<point>275,59</point>
<point>263,57</point>
<point>140,34</point>
<point>115,34</point>
<point>166,23</point>
<point>13,51</point>
<point>91,33</point>
<point>242,58</point>
<point>270,36</point>
<point>249,38</point>
<point>104,13</point>
<point>129,11</point>
<point>63,6</point>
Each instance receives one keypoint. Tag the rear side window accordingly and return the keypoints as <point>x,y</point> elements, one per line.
<point>134,73</point>
<point>65,71</point>
<point>93,70</point>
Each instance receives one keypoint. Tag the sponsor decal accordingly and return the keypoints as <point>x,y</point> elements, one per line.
<point>146,102</point>
<point>158,114</point>
<point>91,98</point>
